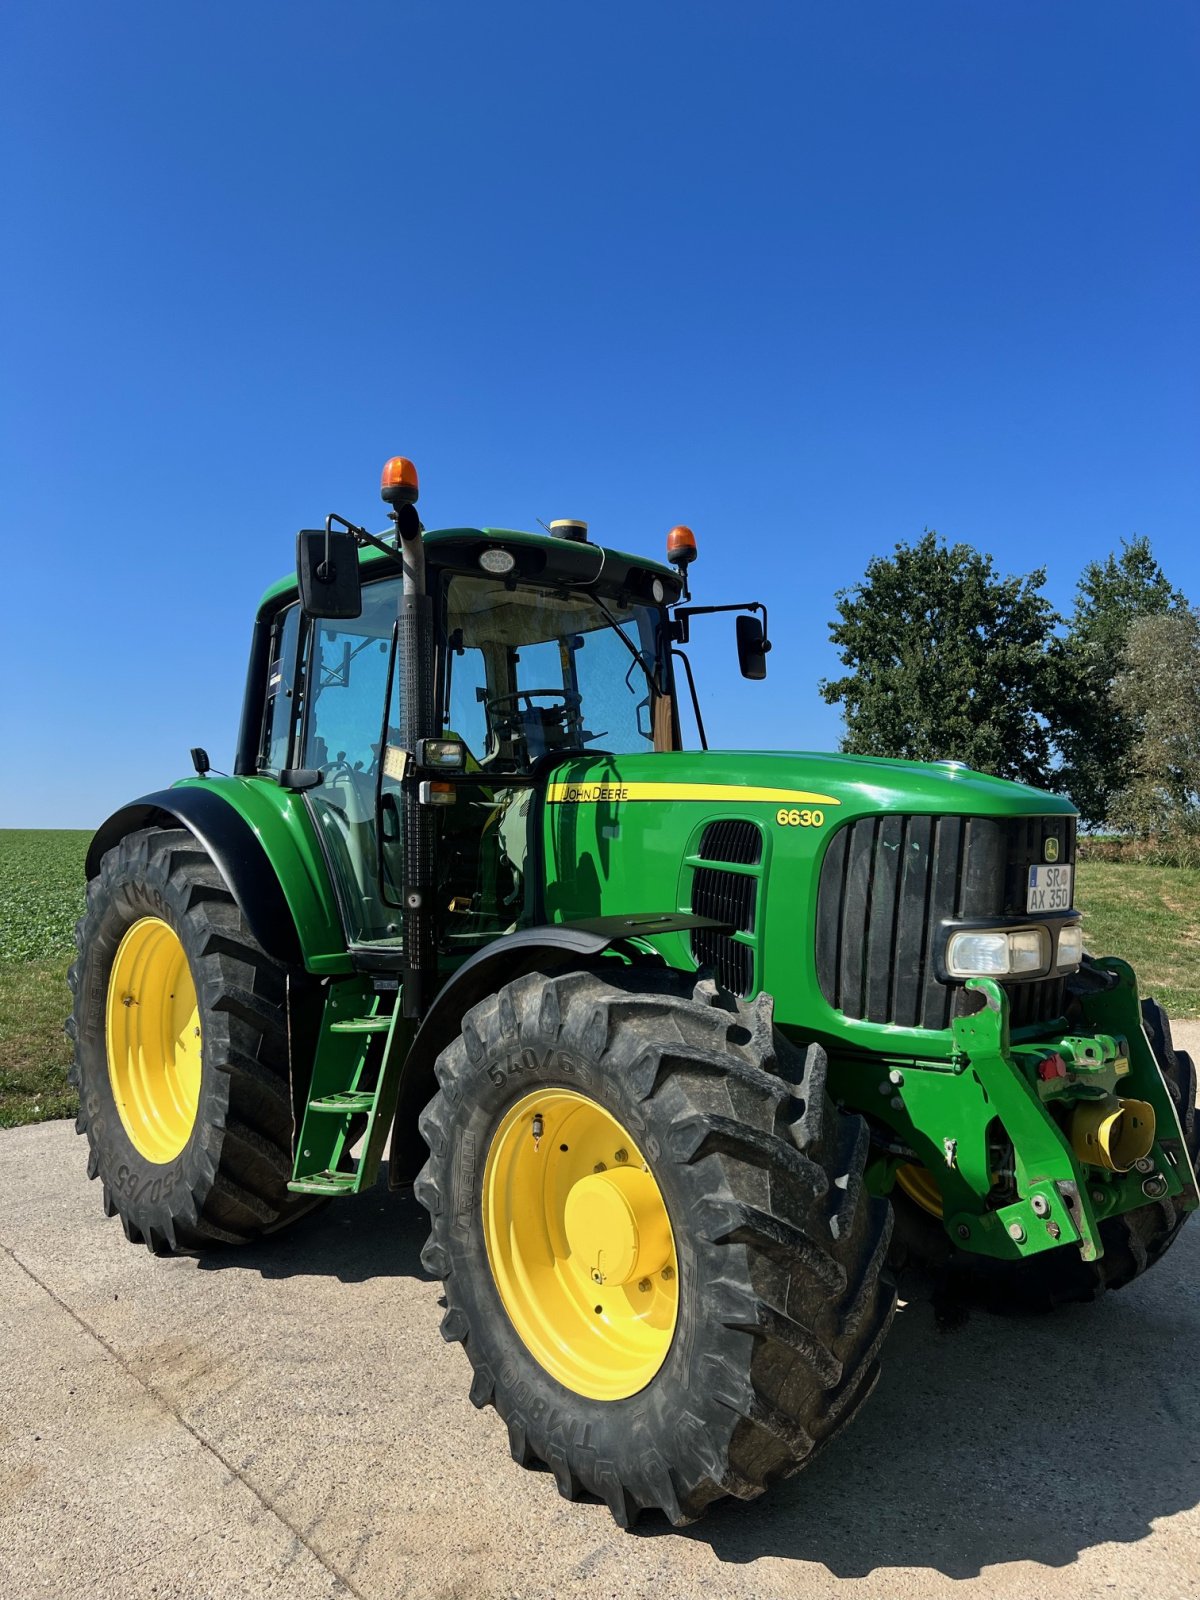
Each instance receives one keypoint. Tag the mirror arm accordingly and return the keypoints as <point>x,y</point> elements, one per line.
<point>361,536</point>
<point>683,612</point>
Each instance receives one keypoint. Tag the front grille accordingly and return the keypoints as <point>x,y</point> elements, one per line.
<point>732,840</point>
<point>729,897</point>
<point>888,882</point>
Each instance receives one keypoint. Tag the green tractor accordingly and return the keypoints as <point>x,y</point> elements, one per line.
<point>684,1052</point>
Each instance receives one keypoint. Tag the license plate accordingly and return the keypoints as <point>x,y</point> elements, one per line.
<point>1049,889</point>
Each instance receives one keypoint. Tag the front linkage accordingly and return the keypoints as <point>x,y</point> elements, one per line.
<point>1043,1107</point>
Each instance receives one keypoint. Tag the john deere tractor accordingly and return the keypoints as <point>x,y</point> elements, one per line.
<point>667,1040</point>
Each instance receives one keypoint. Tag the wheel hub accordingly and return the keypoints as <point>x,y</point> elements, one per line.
<point>617,1226</point>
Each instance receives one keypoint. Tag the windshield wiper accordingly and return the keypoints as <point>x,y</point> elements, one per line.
<point>637,655</point>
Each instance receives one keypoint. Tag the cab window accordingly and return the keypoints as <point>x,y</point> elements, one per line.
<point>532,670</point>
<point>283,675</point>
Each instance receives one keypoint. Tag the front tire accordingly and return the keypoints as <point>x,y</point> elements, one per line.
<point>180,1030</point>
<point>771,1288</point>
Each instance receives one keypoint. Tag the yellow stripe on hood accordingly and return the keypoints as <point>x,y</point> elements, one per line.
<point>565,794</point>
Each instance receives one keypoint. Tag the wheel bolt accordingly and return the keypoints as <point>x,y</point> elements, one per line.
<point>622,1155</point>
<point>601,1166</point>
<point>644,1285</point>
<point>668,1273</point>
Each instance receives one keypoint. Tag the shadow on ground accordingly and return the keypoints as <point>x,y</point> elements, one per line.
<point>997,1440</point>
<point>357,1237</point>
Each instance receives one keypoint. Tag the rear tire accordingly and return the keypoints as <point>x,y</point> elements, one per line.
<point>1133,1242</point>
<point>783,1302</point>
<point>228,1182</point>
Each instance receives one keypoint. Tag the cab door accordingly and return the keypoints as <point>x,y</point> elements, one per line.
<point>342,732</point>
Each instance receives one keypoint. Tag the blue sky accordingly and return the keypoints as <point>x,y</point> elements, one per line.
<point>809,277</point>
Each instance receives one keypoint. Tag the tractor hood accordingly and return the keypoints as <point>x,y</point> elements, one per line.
<point>745,837</point>
<point>839,785</point>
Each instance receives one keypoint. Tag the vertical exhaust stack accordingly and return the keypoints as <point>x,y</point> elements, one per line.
<point>399,489</point>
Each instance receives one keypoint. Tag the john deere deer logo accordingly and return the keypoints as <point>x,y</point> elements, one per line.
<point>1051,849</point>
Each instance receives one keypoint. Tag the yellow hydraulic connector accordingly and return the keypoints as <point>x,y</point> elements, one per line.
<point>1112,1133</point>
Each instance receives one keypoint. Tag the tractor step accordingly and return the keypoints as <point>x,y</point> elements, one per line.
<point>351,1094</point>
<point>324,1183</point>
<point>348,1100</point>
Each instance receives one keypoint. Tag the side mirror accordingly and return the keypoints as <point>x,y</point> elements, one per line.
<point>327,573</point>
<point>752,647</point>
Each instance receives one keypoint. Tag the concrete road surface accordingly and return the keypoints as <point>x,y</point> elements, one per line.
<point>284,1421</point>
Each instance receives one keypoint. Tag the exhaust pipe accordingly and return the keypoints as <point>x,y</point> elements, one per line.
<point>1112,1133</point>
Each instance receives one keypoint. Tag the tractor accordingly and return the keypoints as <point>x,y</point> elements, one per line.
<point>685,1052</point>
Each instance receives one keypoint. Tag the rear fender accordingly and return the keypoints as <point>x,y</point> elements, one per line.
<point>263,846</point>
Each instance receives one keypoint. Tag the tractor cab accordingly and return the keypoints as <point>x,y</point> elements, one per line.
<point>418,691</point>
<point>527,670</point>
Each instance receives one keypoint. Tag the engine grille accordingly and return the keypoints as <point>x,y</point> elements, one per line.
<point>888,882</point>
<point>732,840</point>
<point>730,897</point>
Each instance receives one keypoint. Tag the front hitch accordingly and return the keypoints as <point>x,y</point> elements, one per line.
<point>1053,1206</point>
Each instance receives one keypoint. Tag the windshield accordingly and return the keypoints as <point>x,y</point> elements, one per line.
<point>532,669</point>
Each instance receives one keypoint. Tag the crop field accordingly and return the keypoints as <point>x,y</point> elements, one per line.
<point>41,898</point>
<point>1149,915</point>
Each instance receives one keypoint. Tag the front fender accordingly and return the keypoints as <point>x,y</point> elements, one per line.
<point>550,948</point>
<point>262,842</point>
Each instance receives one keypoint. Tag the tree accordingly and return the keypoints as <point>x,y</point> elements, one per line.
<point>1096,737</point>
<point>948,661</point>
<point>1157,692</point>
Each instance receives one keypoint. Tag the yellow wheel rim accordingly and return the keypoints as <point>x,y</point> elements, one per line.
<point>919,1185</point>
<point>152,1033</point>
<point>580,1244</point>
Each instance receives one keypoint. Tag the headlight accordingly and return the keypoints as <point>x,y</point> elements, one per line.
<point>448,754</point>
<point>995,955</point>
<point>1070,945</point>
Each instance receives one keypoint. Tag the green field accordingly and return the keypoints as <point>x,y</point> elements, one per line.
<point>41,897</point>
<point>1150,915</point>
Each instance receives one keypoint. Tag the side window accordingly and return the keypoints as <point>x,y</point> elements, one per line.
<point>282,682</point>
<point>466,718</point>
<point>343,720</point>
<point>346,699</point>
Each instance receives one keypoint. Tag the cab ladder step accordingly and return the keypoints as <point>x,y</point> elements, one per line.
<point>347,1100</point>
<point>324,1183</point>
<point>353,1078</point>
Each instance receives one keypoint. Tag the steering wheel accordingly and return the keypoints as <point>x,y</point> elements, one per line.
<point>506,718</point>
<point>567,695</point>
<point>515,716</point>
<point>339,765</point>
